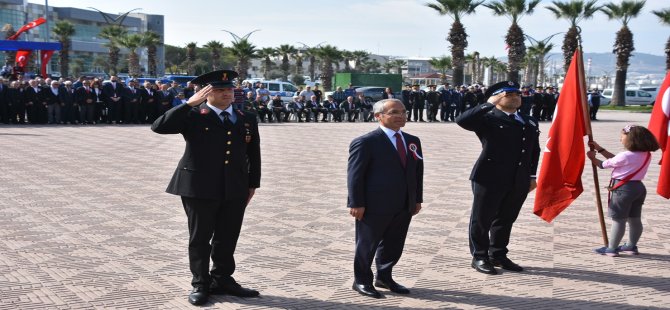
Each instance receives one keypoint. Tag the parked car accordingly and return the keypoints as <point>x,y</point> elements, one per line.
<point>634,96</point>
<point>285,90</point>
<point>181,79</point>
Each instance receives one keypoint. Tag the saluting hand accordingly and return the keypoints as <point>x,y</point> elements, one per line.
<point>199,96</point>
<point>357,212</point>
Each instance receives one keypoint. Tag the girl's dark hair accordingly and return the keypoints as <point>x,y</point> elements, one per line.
<point>640,139</point>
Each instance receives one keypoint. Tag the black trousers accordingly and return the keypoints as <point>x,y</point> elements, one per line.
<point>494,211</point>
<point>219,221</point>
<point>379,236</point>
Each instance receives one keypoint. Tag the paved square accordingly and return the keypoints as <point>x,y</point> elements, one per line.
<point>85,223</point>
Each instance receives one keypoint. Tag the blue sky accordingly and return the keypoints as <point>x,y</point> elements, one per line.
<point>386,27</point>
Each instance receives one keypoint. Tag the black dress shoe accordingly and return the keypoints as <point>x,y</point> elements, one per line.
<point>198,296</point>
<point>232,288</point>
<point>366,290</point>
<point>483,266</point>
<point>392,286</point>
<point>505,263</point>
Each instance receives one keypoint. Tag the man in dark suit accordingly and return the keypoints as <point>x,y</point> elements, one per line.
<point>216,178</point>
<point>85,98</point>
<point>503,175</point>
<point>113,96</point>
<point>133,100</point>
<point>385,184</point>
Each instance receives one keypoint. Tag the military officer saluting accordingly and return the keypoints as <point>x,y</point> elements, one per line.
<point>502,176</point>
<point>216,178</point>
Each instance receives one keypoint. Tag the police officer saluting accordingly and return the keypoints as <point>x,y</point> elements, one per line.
<point>216,178</point>
<point>503,175</point>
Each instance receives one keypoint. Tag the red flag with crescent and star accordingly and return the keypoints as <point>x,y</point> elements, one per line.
<point>45,56</point>
<point>27,27</point>
<point>659,125</point>
<point>560,179</point>
<point>22,58</point>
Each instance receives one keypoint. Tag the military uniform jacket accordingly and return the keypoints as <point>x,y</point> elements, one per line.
<point>510,149</point>
<point>217,163</point>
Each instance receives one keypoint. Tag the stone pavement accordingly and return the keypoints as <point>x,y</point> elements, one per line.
<point>84,223</point>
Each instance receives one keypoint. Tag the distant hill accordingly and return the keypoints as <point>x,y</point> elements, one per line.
<point>642,65</point>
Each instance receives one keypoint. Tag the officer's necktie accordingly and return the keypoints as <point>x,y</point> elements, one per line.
<point>226,120</point>
<point>513,117</point>
<point>401,149</point>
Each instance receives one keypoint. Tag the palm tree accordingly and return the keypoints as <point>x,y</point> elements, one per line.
<point>664,16</point>
<point>311,53</point>
<point>8,31</point>
<point>487,64</point>
<point>574,11</point>
<point>623,44</point>
<point>346,57</point>
<point>214,48</point>
<point>64,30</point>
<point>285,50</point>
<point>441,64</point>
<point>244,51</point>
<point>327,54</point>
<point>151,40</point>
<point>398,64</point>
<point>514,10</point>
<point>297,56</point>
<point>388,65</point>
<point>540,51</point>
<point>359,57</point>
<point>132,42</point>
<point>456,9</point>
<point>267,53</point>
<point>113,33</point>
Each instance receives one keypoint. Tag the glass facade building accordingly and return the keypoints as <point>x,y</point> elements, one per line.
<point>88,48</point>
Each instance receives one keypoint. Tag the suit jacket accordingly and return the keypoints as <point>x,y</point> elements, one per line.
<point>50,98</point>
<point>29,95</point>
<point>376,178</point>
<point>217,163</point>
<point>108,91</point>
<point>510,150</point>
<point>129,96</point>
<point>81,95</point>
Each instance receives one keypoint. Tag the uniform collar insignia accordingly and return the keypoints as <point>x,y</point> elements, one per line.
<point>532,123</point>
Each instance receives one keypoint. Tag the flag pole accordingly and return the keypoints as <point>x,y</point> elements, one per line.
<point>587,122</point>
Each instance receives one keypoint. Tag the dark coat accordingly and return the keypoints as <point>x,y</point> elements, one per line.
<point>510,150</point>
<point>376,179</point>
<point>81,95</point>
<point>211,150</point>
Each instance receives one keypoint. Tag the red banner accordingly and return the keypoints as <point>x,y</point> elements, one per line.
<point>560,180</point>
<point>659,125</point>
<point>45,56</point>
<point>22,58</point>
<point>27,27</point>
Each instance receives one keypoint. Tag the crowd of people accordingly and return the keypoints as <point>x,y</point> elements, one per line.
<point>94,101</point>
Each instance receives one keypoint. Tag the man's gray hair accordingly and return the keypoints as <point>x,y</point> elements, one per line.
<point>378,107</point>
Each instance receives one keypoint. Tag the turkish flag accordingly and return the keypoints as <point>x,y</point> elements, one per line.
<point>659,125</point>
<point>45,56</point>
<point>560,180</point>
<point>27,27</point>
<point>22,58</point>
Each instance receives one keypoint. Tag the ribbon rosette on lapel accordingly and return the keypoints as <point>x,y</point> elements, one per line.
<point>413,148</point>
<point>204,111</point>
